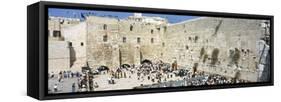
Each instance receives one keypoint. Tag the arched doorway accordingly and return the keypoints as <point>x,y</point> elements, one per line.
<point>146,61</point>
<point>125,66</point>
<point>103,68</point>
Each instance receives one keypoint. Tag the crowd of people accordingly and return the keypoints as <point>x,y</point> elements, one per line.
<point>64,74</point>
<point>85,81</point>
<point>154,73</point>
<point>201,78</point>
<point>59,77</point>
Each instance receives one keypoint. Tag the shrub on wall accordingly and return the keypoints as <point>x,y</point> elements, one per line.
<point>205,58</point>
<point>215,55</point>
<point>196,38</point>
<point>236,56</point>
<point>195,65</point>
<point>202,52</point>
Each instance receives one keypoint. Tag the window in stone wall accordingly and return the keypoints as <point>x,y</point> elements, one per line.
<point>163,44</point>
<point>124,39</point>
<point>248,50</point>
<point>242,50</point>
<point>105,38</point>
<point>151,31</point>
<point>186,47</point>
<point>56,33</point>
<point>82,44</point>
<point>104,27</point>
<point>131,28</point>
<point>138,40</point>
<point>70,44</point>
<point>152,40</point>
<point>158,29</point>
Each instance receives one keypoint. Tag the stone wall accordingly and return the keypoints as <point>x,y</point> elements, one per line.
<point>224,46</point>
<point>102,43</point>
<point>59,56</point>
<point>76,35</point>
<point>226,35</point>
<point>67,41</point>
<point>127,41</point>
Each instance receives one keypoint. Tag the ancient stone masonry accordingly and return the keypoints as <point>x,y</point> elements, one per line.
<point>67,40</point>
<point>226,46</point>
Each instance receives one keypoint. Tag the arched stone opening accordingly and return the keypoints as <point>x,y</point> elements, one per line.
<point>125,66</point>
<point>146,61</point>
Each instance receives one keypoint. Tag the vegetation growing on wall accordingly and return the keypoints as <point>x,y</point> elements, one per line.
<point>196,38</point>
<point>202,52</point>
<point>195,65</point>
<point>215,55</point>
<point>235,56</point>
<point>205,58</point>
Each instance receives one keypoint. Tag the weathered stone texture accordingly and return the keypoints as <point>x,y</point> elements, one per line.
<point>112,42</point>
<point>58,56</point>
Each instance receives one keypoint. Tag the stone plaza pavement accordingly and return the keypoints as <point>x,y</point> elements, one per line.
<point>129,82</point>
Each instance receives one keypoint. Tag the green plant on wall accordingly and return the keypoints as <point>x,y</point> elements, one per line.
<point>205,58</point>
<point>202,52</point>
<point>196,38</point>
<point>215,55</point>
<point>195,66</point>
<point>236,56</point>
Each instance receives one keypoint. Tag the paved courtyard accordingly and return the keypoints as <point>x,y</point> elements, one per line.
<point>131,81</point>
